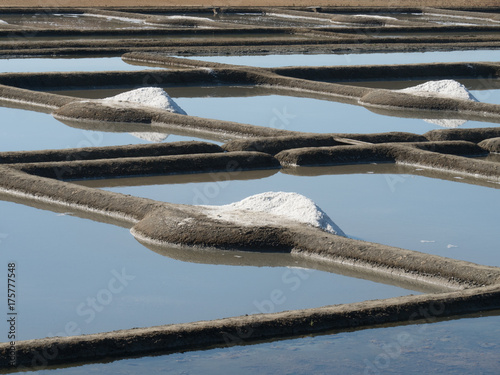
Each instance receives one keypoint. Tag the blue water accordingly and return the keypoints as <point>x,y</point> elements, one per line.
<point>271,61</point>
<point>87,64</point>
<point>77,276</point>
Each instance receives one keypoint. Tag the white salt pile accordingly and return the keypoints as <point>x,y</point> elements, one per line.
<point>291,206</point>
<point>446,88</point>
<point>154,97</point>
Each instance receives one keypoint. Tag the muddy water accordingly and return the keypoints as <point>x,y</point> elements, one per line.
<point>307,115</point>
<point>444,215</point>
<point>80,276</point>
<point>28,130</point>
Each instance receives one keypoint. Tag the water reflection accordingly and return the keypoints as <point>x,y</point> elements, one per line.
<point>413,208</point>
<point>447,346</point>
<point>67,261</point>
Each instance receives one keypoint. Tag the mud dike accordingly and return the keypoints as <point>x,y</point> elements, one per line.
<point>190,232</point>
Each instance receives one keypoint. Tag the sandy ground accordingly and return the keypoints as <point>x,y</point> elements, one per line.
<point>246,3</point>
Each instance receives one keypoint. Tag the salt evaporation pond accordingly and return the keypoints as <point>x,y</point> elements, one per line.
<point>265,107</point>
<point>466,346</point>
<point>273,61</point>
<point>80,276</point>
<point>67,260</point>
<point>306,115</point>
<point>28,130</point>
<point>378,203</point>
<point>81,64</point>
<point>17,65</point>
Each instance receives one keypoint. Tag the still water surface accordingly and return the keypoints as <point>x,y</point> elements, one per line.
<point>66,264</point>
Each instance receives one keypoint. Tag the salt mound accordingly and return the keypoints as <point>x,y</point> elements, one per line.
<point>445,88</point>
<point>154,97</point>
<point>292,206</point>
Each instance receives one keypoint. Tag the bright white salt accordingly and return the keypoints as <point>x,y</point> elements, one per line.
<point>291,206</point>
<point>447,88</point>
<point>154,97</point>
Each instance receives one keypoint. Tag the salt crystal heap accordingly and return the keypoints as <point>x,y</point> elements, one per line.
<point>291,206</point>
<point>446,88</point>
<point>154,97</point>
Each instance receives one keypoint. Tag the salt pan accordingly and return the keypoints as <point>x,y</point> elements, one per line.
<point>291,206</point>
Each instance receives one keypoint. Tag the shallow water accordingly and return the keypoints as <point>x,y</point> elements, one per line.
<point>28,130</point>
<point>264,107</point>
<point>307,115</point>
<point>65,264</point>
<point>270,61</point>
<point>387,204</point>
<point>78,276</point>
<point>464,346</point>
<point>87,64</point>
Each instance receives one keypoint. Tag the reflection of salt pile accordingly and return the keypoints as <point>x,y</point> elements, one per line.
<point>446,88</point>
<point>154,97</point>
<point>292,206</point>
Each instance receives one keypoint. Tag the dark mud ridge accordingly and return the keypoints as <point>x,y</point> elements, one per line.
<point>275,30</point>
